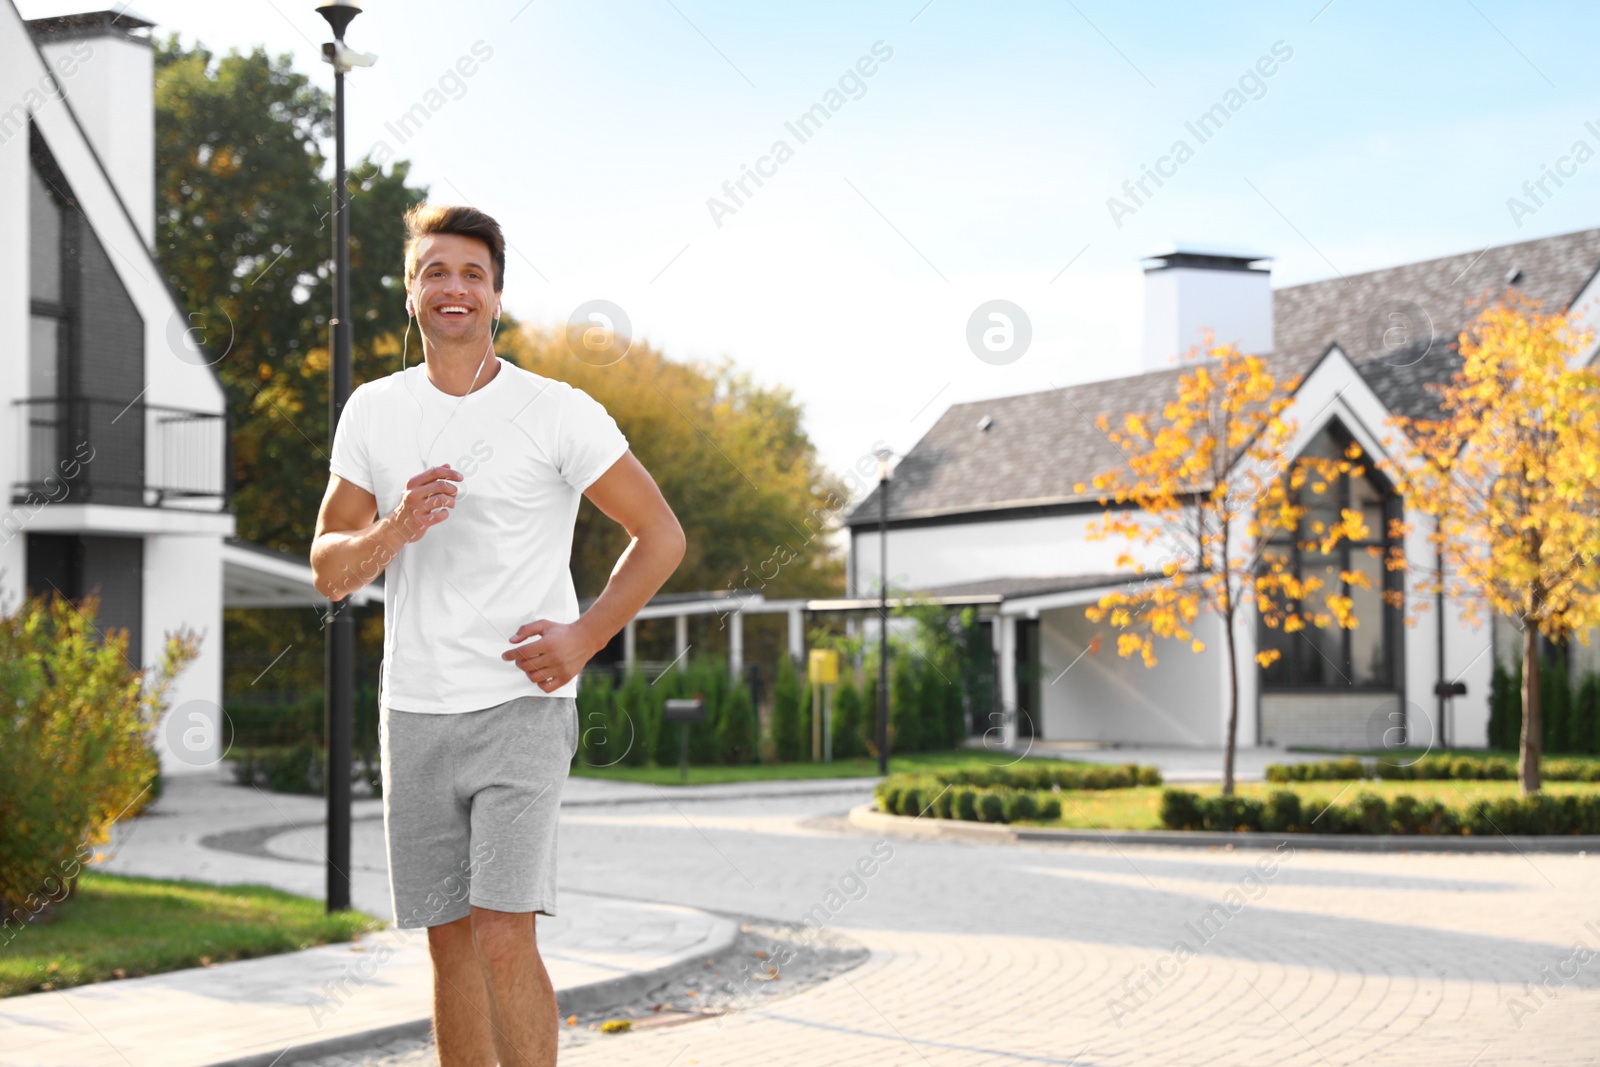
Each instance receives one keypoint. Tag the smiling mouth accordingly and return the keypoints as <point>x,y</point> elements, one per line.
<point>453,310</point>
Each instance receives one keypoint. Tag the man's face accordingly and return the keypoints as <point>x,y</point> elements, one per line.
<point>453,291</point>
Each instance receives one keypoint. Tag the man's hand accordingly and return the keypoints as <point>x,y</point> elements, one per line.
<point>556,657</point>
<point>428,500</point>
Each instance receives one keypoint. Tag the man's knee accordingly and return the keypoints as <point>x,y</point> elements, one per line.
<point>503,931</point>
<point>451,937</point>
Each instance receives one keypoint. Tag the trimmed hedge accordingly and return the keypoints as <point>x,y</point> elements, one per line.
<point>1001,794</point>
<point>1430,768</point>
<point>1284,812</point>
<point>926,795</point>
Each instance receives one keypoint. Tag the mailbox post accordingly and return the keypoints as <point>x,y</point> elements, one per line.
<point>684,712</point>
<point>823,671</point>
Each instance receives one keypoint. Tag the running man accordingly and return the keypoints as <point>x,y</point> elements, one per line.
<point>459,477</point>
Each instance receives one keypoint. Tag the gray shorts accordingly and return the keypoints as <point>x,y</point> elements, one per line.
<point>471,802</point>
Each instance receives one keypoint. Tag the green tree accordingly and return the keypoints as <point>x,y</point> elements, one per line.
<point>849,741</point>
<point>244,236</point>
<point>787,697</point>
<point>905,727</point>
<point>731,457</point>
<point>738,726</point>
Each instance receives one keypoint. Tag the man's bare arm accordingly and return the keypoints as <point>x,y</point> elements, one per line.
<point>350,549</point>
<point>627,494</point>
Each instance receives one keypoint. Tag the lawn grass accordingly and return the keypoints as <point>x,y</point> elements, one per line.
<point>141,926</point>
<point>918,762</point>
<point>1140,808</point>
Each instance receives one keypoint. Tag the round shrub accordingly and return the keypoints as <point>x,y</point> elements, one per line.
<point>910,801</point>
<point>1020,805</point>
<point>1372,812</point>
<point>1231,813</point>
<point>1050,806</point>
<point>1282,812</point>
<point>1406,815</point>
<point>991,808</point>
<point>943,804</point>
<point>966,806</point>
<point>1180,810</point>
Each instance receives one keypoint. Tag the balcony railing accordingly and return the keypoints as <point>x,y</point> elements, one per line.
<point>92,450</point>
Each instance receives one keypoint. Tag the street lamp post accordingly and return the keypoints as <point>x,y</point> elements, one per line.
<point>341,638</point>
<point>883,611</point>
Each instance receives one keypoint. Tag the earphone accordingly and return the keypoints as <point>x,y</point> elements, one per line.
<point>405,339</point>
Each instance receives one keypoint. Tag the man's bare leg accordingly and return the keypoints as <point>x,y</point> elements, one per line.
<point>461,1027</point>
<point>522,1002</point>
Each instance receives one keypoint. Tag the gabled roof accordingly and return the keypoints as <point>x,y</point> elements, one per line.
<point>1036,448</point>
<point>1039,445</point>
<point>1353,310</point>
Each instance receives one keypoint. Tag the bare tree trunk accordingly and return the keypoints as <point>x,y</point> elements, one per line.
<point>1528,763</point>
<point>1233,706</point>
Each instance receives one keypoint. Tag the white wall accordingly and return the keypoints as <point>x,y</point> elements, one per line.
<point>183,588</point>
<point>112,89</point>
<point>183,573</point>
<point>13,308</point>
<point>1016,548</point>
<point>1181,302</point>
<point>1104,697</point>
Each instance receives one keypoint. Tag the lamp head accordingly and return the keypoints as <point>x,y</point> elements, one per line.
<point>884,455</point>
<point>339,13</point>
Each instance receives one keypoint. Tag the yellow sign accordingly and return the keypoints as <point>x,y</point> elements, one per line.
<point>824,667</point>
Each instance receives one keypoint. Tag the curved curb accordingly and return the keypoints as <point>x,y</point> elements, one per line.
<point>590,996</point>
<point>868,817</point>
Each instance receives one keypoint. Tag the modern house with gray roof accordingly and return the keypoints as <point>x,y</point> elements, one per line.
<point>113,419</point>
<point>985,506</point>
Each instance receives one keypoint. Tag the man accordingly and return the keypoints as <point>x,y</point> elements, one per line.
<point>461,477</point>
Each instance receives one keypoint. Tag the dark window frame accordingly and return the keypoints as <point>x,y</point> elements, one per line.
<point>1390,620</point>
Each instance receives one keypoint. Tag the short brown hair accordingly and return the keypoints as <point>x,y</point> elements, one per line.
<point>424,220</point>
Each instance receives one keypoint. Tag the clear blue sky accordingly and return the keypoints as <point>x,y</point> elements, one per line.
<point>976,164</point>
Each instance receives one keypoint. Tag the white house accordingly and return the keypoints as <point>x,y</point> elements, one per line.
<point>113,422</point>
<point>983,507</point>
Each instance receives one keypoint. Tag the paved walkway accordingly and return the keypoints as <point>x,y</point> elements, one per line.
<point>207,829</point>
<point>1025,954</point>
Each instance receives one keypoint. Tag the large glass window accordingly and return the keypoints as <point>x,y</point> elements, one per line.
<point>44,240</point>
<point>1333,657</point>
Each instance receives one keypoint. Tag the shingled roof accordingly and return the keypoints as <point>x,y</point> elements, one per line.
<point>1355,310</point>
<point>1030,450</point>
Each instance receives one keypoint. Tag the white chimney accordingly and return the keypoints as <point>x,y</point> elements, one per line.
<point>104,63</point>
<point>1189,288</point>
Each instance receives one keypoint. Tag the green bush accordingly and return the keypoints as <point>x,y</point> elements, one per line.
<point>1368,813</point>
<point>1282,812</point>
<point>1180,810</point>
<point>1049,806</point>
<point>944,803</point>
<point>904,712</point>
<point>1505,707</point>
<point>911,801</point>
<point>849,741</point>
<point>889,796</point>
<point>1230,812</point>
<point>966,802</point>
<point>991,808</point>
<point>1020,805</point>
<point>78,743</point>
<point>1432,767</point>
<point>739,727</point>
<point>787,720</point>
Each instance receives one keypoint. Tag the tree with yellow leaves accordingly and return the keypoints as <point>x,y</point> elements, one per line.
<point>1510,470</point>
<point>1208,483</point>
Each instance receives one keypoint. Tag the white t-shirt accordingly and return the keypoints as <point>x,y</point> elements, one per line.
<point>527,446</point>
